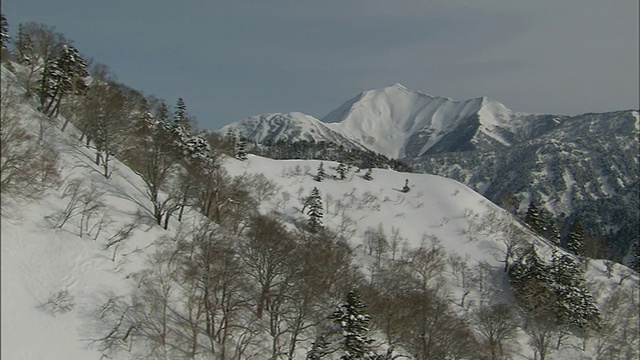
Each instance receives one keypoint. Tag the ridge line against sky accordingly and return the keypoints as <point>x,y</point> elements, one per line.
<point>233,59</point>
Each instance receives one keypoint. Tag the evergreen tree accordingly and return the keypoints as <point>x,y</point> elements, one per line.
<point>180,118</point>
<point>4,32</point>
<point>406,187</point>
<point>162,114</point>
<point>241,153</point>
<point>576,306</point>
<point>230,141</point>
<point>342,171</point>
<point>575,239</point>
<point>63,74</point>
<point>557,288</point>
<point>24,46</point>
<point>319,348</point>
<point>635,257</point>
<point>320,175</point>
<point>368,175</point>
<point>552,233</point>
<point>534,219</point>
<point>354,325</point>
<point>315,210</point>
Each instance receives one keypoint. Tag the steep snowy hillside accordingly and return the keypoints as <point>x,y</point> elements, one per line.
<point>88,274</point>
<point>287,127</point>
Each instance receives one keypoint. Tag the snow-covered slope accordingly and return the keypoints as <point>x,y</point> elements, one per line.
<point>55,279</point>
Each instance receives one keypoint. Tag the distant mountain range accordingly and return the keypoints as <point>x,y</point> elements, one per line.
<point>583,166</point>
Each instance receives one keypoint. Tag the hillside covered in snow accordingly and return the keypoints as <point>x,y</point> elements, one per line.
<point>139,239</point>
<point>577,168</point>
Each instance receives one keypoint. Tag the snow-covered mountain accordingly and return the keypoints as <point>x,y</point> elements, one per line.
<point>398,122</point>
<point>74,256</point>
<point>585,168</point>
<point>582,166</point>
<point>288,127</point>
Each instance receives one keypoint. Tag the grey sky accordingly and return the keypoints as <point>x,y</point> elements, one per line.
<point>230,59</point>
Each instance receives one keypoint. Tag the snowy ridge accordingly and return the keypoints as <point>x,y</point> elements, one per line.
<point>385,119</point>
<point>287,127</point>
<point>396,122</point>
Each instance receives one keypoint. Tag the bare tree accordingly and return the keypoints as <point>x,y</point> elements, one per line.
<point>496,326</point>
<point>542,329</point>
<point>618,336</point>
<point>27,167</point>
<point>154,161</point>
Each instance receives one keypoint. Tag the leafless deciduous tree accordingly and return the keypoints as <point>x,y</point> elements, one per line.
<point>107,121</point>
<point>496,326</point>
<point>542,330</point>
<point>27,167</point>
<point>619,334</point>
<point>156,160</point>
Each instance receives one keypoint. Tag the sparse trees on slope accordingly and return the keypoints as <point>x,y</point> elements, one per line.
<point>107,121</point>
<point>27,167</point>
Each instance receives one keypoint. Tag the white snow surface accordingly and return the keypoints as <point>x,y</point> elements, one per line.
<point>39,262</point>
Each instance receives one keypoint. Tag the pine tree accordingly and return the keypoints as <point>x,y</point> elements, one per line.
<point>552,233</point>
<point>575,305</point>
<point>320,175</point>
<point>315,210</point>
<point>354,325</point>
<point>575,239</point>
<point>368,175</point>
<point>319,348</point>
<point>24,46</point>
<point>534,219</point>
<point>180,118</point>
<point>241,153</point>
<point>635,257</point>
<point>4,32</point>
<point>342,171</point>
<point>62,75</point>
<point>406,187</point>
<point>162,114</point>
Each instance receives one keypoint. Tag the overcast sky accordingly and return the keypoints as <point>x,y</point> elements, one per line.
<point>230,59</point>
